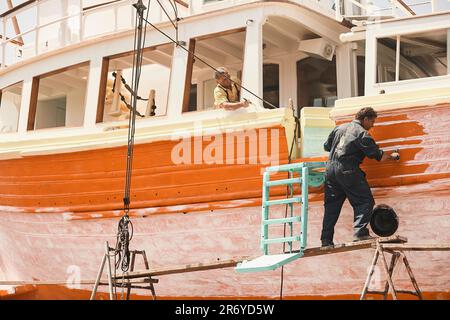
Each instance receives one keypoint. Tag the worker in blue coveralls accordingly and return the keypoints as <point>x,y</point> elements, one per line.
<point>348,145</point>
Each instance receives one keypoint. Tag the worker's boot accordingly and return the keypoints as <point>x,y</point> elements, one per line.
<point>327,243</point>
<point>368,237</point>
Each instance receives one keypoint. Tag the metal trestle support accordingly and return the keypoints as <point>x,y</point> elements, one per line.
<point>120,281</point>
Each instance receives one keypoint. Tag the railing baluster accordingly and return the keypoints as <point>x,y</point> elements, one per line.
<point>36,44</point>
<point>80,36</point>
<point>3,43</point>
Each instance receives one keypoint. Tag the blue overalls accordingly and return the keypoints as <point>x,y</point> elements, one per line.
<point>348,145</point>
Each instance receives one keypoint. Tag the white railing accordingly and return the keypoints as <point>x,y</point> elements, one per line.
<point>383,8</point>
<point>72,25</point>
<point>78,24</point>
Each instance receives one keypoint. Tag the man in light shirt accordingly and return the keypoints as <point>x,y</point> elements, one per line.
<point>226,93</point>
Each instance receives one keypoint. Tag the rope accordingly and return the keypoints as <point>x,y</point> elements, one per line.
<point>124,235</point>
<point>167,15</point>
<point>125,228</point>
<point>114,74</point>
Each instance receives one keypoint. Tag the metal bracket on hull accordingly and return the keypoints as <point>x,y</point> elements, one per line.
<point>300,175</point>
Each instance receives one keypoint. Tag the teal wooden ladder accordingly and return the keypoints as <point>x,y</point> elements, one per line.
<point>303,174</point>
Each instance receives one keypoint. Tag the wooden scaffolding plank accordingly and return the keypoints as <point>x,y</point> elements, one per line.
<point>233,262</point>
<point>417,247</point>
<point>225,263</point>
<point>351,246</point>
<point>183,268</point>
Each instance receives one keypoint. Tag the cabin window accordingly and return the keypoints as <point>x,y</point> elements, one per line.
<point>10,100</point>
<point>225,49</point>
<point>316,82</point>
<point>413,56</point>
<point>58,98</point>
<point>423,55</point>
<point>271,84</point>
<point>361,66</point>
<point>115,98</point>
<point>386,57</point>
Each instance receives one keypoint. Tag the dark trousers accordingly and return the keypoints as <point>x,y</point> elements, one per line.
<point>342,182</point>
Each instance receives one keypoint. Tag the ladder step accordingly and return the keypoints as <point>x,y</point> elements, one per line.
<point>296,166</point>
<point>283,201</point>
<point>281,240</point>
<point>407,292</point>
<point>284,181</point>
<point>375,292</point>
<point>282,220</point>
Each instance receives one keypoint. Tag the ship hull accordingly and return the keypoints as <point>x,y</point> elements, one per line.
<point>45,247</point>
<point>203,213</point>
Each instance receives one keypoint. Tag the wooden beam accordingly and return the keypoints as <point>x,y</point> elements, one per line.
<point>55,84</point>
<point>233,262</point>
<point>220,264</point>
<point>200,64</point>
<point>393,242</point>
<point>159,58</point>
<point>166,49</point>
<point>183,269</point>
<point>181,2</point>
<point>211,55</point>
<point>131,53</point>
<point>294,30</point>
<point>120,64</point>
<point>225,47</point>
<point>72,80</point>
<point>102,90</point>
<point>416,247</point>
<point>404,7</point>
<point>220,34</point>
<point>351,246</point>
<point>270,34</point>
<point>33,103</point>
<point>100,5</point>
<point>188,79</point>
<point>162,51</point>
<point>53,72</point>
<point>286,28</point>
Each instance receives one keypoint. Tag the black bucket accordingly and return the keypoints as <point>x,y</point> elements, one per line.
<point>384,221</point>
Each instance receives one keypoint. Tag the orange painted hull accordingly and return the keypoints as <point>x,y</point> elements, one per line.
<point>57,212</point>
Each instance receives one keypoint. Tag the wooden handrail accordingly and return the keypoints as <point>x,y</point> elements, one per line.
<point>184,4</point>
<point>100,5</point>
<point>181,2</point>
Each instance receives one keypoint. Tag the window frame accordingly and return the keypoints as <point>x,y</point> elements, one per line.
<point>397,57</point>
<point>191,60</point>
<point>104,78</point>
<point>20,108</point>
<point>35,92</point>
